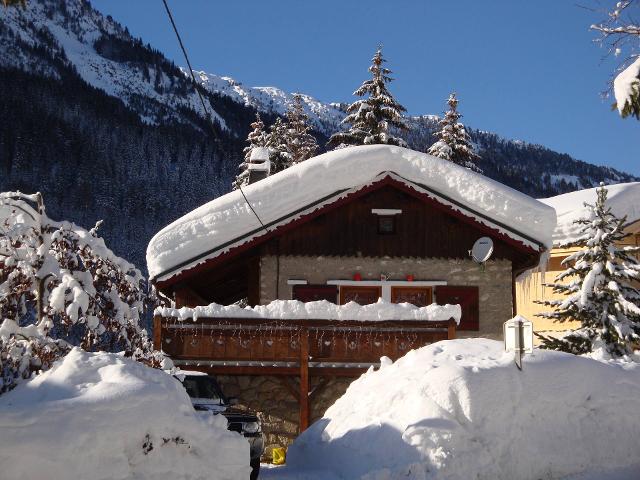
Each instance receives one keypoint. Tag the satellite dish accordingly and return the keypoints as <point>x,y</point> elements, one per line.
<point>482,250</point>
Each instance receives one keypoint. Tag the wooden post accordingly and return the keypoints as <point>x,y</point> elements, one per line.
<point>304,379</point>
<point>157,332</point>
<point>451,330</point>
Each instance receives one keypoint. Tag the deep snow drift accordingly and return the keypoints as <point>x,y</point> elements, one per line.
<point>460,409</point>
<point>100,416</point>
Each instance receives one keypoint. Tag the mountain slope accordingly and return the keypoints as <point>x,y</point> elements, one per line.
<point>106,127</point>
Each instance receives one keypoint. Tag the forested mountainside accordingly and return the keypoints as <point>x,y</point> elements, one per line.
<point>108,128</point>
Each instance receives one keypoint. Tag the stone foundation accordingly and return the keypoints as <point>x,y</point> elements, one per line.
<point>275,405</point>
<point>494,280</point>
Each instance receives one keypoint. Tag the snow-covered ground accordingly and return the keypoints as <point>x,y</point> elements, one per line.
<point>460,409</point>
<point>100,416</point>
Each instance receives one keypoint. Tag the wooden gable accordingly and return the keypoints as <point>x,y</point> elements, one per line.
<point>421,230</point>
<point>425,228</point>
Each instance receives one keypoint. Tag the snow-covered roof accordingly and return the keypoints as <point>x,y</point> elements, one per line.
<point>624,199</point>
<point>227,221</point>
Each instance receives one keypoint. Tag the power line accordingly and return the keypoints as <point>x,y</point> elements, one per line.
<point>206,111</point>
<point>186,57</point>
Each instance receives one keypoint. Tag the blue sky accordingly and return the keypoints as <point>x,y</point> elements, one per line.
<point>524,70</point>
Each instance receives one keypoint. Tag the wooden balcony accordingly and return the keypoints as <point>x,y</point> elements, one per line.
<point>298,348</point>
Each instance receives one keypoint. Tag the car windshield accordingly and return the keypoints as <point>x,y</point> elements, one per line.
<point>201,387</point>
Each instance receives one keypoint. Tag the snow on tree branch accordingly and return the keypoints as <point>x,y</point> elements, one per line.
<point>619,32</point>
<point>626,88</point>
<point>300,143</point>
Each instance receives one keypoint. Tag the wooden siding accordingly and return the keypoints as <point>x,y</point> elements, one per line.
<point>421,231</point>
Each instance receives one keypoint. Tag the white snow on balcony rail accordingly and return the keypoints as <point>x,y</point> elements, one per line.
<point>320,310</point>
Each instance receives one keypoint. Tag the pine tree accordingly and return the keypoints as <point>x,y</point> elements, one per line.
<point>597,287</point>
<point>453,142</point>
<point>279,154</point>
<point>256,138</point>
<point>371,118</point>
<point>300,143</point>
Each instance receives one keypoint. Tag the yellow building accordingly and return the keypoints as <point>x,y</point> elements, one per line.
<point>624,199</point>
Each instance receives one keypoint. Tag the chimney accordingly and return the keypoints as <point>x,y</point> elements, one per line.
<point>259,164</point>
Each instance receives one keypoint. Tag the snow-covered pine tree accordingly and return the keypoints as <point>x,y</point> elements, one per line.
<point>279,154</point>
<point>256,138</point>
<point>300,143</point>
<point>453,142</point>
<point>60,287</point>
<point>598,288</point>
<point>371,118</point>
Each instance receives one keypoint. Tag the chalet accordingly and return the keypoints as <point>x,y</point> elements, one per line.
<point>624,200</point>
<point>354,225</point>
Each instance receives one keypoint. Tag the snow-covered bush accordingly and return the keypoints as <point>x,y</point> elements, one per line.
<point>460,410</point>
<point>597,287</point>
<point>61,286</point>
<point>101,416</point>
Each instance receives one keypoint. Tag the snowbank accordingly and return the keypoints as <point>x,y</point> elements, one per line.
<point>624,199</point>
<point>460,409</point>
<point>227,221</point>
<point>320,310</point>
<point>94,415</point>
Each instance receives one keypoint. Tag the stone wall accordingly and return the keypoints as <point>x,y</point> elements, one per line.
<point>494,280</point>
<point>275,405</point>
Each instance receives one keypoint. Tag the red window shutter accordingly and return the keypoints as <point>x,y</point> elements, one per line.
<point>312,293</point>
<point>468,299</point>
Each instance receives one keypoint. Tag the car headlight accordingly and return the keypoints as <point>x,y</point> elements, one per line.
<point>251,427</point>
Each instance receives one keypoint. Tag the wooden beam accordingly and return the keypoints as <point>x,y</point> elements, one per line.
<point>304,379</point>
<point>231,370</point>
<point>157,332</point>
<point>451,330</point>
<point>253,279</point>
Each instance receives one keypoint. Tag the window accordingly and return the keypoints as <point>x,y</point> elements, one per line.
<point>418,296</point>
<point>386,224</point>
<point>201,386</point>
<point>467,298</point>
<point>360,295</point>
<point>313,293</point>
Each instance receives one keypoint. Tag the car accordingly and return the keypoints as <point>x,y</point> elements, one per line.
<point>208,398</point>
